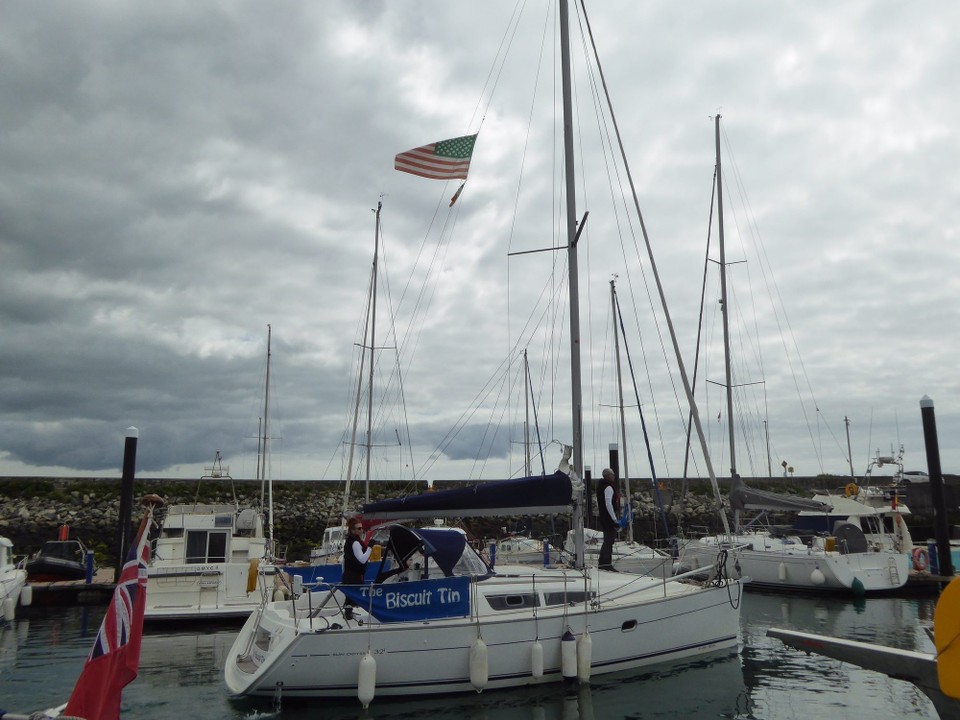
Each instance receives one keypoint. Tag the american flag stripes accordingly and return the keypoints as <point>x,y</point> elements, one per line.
<point>443,160</point>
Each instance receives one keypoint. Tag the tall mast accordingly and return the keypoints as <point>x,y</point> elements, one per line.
<point>846,422</point>
<point>724,311</point>
<point>575,379</point>
<point>766,434</point>
<point>623,422</point>
<point>526,421</point>
<point>373,344</point>
<point>264,473</point>
<point>367,332</point>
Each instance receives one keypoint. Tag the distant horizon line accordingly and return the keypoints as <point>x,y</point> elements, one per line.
<point>209,478</point>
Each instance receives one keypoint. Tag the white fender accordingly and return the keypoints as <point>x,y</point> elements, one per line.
<point>568,656</point>
<point>479,668</point>
<point>26,596</point>
<point>536,660</point>
<point>782,571</point>
<point>367,680</point>
<point>817,577</point>
<point>584,656</point>
<point>9,609</point>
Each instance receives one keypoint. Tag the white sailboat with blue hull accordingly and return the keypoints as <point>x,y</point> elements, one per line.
<point>444,621</point>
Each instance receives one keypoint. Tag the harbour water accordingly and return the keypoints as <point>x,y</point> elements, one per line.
<point>180,673</point>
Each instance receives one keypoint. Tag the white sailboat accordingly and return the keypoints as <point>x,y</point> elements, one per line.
<point>879,515</point>
<point>326,559</point>
<point>627,555</point>
<point>772,558</point>
<point>445,622</point>
<point>448,623</point>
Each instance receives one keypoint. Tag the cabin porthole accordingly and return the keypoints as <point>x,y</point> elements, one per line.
<point>629,626</point>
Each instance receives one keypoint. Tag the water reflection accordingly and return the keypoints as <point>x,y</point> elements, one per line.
<point>206,649</point>
<point>786,683</point>
<point>664,692</point>
<point>41,656</point>
<point>181,671</point>
<point>12,636</point>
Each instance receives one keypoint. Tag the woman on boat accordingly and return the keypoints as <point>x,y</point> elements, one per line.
<point>356,554</point>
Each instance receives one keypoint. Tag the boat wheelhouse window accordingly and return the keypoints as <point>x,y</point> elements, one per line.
<point>206,547</point>
<point>64,550</point>
<point>222,521</point>
<point>513,602</point>
<point>173,532</point>
<point>567,598</point>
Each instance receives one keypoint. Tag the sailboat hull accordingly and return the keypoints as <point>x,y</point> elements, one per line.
<point>772,564</point>
<point>282,647</point>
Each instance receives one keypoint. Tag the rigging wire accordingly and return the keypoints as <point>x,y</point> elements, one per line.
<point>696,357</point>
<point>673,337</point>
<point>780,315</point>
<point>610,139</point>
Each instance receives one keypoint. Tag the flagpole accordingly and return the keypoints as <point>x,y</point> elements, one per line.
<point>114,660</point>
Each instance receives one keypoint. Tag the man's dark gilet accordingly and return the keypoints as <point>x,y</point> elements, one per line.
<point>605,522</point>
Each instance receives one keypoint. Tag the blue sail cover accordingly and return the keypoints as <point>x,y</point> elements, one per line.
<point>523,496</point>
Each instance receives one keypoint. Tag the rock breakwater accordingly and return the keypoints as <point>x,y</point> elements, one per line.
<point>32,509</point>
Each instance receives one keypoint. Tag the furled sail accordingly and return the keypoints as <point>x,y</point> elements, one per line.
<point>550,494</point>
<point>747,498</point>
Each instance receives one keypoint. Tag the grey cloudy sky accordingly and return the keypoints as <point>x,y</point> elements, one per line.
<point>174,177</point>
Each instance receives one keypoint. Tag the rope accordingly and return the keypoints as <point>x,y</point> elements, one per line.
<point>720,579</point>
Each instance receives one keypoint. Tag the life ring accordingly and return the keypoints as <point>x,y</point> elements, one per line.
<point>920,559</point>
<point>851,489</point>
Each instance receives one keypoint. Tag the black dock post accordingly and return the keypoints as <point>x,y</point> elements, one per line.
<point>614,451</point>
<point>124,529</point>
<point>940,527</point>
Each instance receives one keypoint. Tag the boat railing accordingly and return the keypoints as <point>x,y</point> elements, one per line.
<point>200,508</point>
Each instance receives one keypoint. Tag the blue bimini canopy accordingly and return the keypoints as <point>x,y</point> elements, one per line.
<point>551,494</point>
